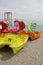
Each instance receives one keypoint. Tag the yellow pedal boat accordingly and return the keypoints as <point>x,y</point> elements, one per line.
<point>14,41</point>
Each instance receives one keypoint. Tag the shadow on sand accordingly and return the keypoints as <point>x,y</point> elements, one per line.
<point>6,53</point>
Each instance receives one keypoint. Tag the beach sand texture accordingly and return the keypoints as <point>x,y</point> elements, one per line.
<point>31,54</point>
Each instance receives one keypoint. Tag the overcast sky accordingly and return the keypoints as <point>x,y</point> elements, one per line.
<point>27,10</point>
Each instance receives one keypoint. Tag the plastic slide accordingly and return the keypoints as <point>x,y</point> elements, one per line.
<point>30,26</point>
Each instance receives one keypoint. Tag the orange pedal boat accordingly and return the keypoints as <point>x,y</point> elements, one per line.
<point>34,36</point>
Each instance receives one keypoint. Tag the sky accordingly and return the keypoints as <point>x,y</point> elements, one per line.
<point>26,10</point>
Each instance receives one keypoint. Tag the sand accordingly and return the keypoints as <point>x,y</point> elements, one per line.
<point>31,54</point>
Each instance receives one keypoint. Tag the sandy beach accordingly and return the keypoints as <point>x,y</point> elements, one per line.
<point>31,54</point>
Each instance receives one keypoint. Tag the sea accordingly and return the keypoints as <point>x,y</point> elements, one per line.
<point>37,27</point>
